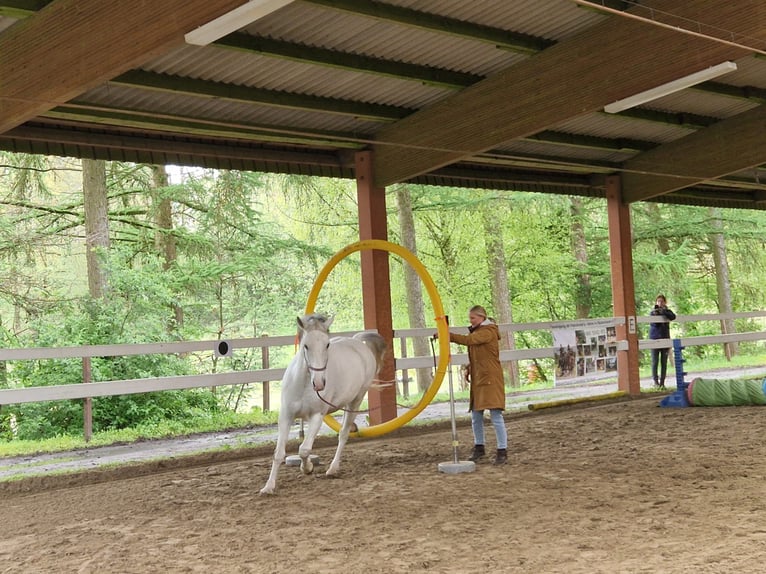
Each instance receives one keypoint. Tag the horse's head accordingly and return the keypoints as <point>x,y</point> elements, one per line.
<point>313,321</point>
<point>315,347</point>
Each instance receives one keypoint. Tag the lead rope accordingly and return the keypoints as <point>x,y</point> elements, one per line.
<point>337,408</point>
<point>378,383</point>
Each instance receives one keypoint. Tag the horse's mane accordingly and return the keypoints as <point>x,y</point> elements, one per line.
<point>376,344</point>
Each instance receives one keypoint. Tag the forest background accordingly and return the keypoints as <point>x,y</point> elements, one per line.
<point>95,252</point>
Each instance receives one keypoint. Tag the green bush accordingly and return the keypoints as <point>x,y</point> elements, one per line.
<point>112,321</point>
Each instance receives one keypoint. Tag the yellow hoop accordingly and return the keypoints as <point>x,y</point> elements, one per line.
<point>441,328</point>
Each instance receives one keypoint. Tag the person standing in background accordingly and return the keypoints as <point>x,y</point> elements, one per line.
<point>660,330</point>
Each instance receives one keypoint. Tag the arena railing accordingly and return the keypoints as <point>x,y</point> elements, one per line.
<point>91,389</point>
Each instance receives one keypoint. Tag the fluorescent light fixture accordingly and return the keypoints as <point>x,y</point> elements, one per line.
<point>233,20</point>
<point>671,87</point>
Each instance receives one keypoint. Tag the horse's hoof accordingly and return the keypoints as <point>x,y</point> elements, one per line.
<point>266,490</point>
<point>307,467</point>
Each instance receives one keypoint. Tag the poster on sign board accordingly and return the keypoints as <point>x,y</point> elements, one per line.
<point>584,351</point>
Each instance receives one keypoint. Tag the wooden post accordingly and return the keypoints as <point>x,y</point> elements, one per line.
<point>265,365</point>
<point>623,287</point>
<point>405,373</point>
<point>376,285</point>
<point>726,346</point>
<point>87,406</point>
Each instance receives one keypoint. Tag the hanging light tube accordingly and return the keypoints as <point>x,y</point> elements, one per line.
<point>233,20</point>
<point>671,87</point>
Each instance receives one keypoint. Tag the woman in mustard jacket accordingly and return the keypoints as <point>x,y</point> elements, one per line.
<point>487,382</point>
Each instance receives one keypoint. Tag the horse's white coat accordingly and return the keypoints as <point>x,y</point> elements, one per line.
<point>341,369</point>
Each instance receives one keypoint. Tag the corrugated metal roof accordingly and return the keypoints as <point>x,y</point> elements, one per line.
<point>605,125</point>
<point>705,104</point>
<point>337,100</point>
<point>553,20</point>
<point>257,71</point>
<point>322,27</point>
<point>544,149</point>
<point>115,96</point>
<point>750,72</point>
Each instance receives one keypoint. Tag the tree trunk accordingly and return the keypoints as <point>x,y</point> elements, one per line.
<point>723,284</point>
<point>583,292</point>
<point>96,224</point>
<point>655,214</point>
<point>415,306</point>
<point>164,240</point>
<point>501,297</point>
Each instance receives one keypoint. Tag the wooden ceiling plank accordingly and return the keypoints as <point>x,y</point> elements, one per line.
<point>724,148</point>
<point>36,75</point>
<point>575,76</point>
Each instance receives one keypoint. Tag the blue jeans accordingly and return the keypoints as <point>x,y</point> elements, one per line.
<point>477,424</point>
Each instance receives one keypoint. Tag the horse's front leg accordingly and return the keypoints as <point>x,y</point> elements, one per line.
<point>348,420</point>
<point>314,424</point>
<point>285,420</point>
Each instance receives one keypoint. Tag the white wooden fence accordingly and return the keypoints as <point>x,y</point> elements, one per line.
<point>88,390</point>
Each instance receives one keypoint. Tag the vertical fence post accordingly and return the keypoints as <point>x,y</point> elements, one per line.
<point>726,346</point>
<point>87,406</point>
<point>405,377</point>
<point>265,365</point>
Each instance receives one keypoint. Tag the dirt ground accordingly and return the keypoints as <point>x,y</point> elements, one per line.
<point>621,487</point>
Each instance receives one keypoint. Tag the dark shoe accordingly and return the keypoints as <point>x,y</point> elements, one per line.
<point>477,452</point>
<point>501,457</point>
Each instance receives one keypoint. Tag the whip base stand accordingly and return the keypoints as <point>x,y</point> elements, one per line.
<point>457,467</point>
<point>295,460</point>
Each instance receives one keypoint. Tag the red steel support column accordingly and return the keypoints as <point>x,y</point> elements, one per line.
<point>376,285</point>
<point>623,287</point>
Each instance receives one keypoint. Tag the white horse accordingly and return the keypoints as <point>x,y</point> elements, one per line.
<point>326,375</point>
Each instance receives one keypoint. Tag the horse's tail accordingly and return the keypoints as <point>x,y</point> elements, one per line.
<point>377,345</point>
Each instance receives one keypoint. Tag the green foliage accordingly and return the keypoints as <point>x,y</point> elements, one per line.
<point>94,323</point>
<point>238,252</point>
<point>167,428</point>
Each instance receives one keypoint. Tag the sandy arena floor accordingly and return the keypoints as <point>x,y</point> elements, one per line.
<point>623,487</point>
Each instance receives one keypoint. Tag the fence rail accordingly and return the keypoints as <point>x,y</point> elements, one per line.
<point>88,390</point>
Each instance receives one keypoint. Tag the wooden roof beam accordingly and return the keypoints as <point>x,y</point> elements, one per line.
<point>727,147</point>
<point>553,86</point>
<point>36,76</point>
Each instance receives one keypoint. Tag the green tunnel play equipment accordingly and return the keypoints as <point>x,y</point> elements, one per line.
<point>726,392</point>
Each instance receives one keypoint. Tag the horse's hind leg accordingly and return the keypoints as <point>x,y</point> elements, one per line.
<point>315,423</point>
<point>345,429</point>
<point>285,421</point>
